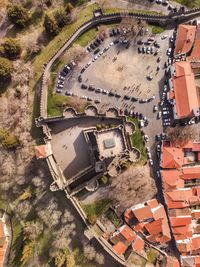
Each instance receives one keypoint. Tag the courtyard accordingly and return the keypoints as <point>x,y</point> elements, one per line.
<point>69,145</point>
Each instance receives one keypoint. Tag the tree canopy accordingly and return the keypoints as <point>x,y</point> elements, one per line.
<point>5,69</point>
<point>18,15</point>
<point>11,48</point>
<point>50,25</point>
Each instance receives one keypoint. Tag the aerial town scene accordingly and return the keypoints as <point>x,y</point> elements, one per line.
<point>99,133</point>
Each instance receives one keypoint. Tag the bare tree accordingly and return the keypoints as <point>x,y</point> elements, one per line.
<point>103,31</point>
<point>183,134</point>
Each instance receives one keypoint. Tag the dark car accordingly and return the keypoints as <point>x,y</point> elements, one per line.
<point>83,86</point>
<point>134,99</point>
<point>92,46</point>
<point>126,97</point>
<point>80,78</point>
<point>98,41</point>
<point>111,94</point>
<point>117,95</point>
<point>83,69</point>
<point>116,41</point>
<point>96,51</point>
<point>89,49</point>
<point>91,88</point>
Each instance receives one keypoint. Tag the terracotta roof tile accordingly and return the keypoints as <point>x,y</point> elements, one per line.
<point>172,262</point>
<point>185,38</point>
<point>138,244</point>
<point>142,213</point>
<point>172,157</point>
<point>127,233</point>
<point>120,248</point>
<point>185,90</point>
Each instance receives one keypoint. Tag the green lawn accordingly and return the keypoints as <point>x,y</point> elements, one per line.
<point>157,29</point>
<point>152,255</point>
<point>86,38</point>
<point>189,3</point>
<point>114,10</point>
<point>97,208</point>
<point>138,141</point>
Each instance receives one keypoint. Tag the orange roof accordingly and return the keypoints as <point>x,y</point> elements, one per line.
<point>180,221</point>
<point>191,172</point>
<point>127,233</point>
<point>185,90</point>
<point>138,244</point>
<point>196,214</point>
<point>120,248</point>
<point>40,152</point>
<point>154,227</point>
<point>185,38</point>
<point>172,262</point>
<point>178,198</point>
<point>171,179</point>
<point>195,243</point>
<point>142,213</point>
<point>195,55</point>
<point>172,157</point>
<point>152,203</point>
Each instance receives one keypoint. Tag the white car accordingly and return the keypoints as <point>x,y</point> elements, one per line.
<point>141,123</point>
<point>155,108</point>
<point>164,37</point>
<point>151,162</point>
<point>159,115</point>
<point>146,138</point>
<point>83,97</point>
<point>169,51</point>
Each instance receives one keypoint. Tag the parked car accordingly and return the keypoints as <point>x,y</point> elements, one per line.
<point>83,86</point>
<point>146,138</point>
<point>155,108</point>
<point>97,101</point>
<point>126,97</point>
<point>69,93</point>
<point>151,162</point>
<point>134,99</point>
<point>98,90</point>
<point>149,78</point>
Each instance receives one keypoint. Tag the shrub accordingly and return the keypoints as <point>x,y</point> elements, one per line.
<point>104,180</point>
<point>11,48</point>
<point>92,218</point>
<point>7,139</point>
<point>6,69</point>
<point>18,15</point>
<point>50,26</point>
<point>61,18</point>
<point>68,7</point>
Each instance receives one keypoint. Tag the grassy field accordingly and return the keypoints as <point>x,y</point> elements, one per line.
<point>97,208</point>
<point>86,38</point>
<point>189,3</point>
<point>138,141</point>
<point>113,10</point>
<point>157,29</point>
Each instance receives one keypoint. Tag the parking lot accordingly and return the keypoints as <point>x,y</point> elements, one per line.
<point>120,76</point>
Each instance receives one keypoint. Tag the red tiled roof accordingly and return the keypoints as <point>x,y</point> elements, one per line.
<point>127,233</point>
<point>172,262</point>
<point>180,221</point>
<point>185,90</point>
<point>185,38</point>
<point>138,244</point>
<point>40,152</point>
<point>172,157</point>
<point>120,248</point>
<point>178,198</point>
<point>142,213</point>
<point>195,55</point>
<point>196,214</point>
